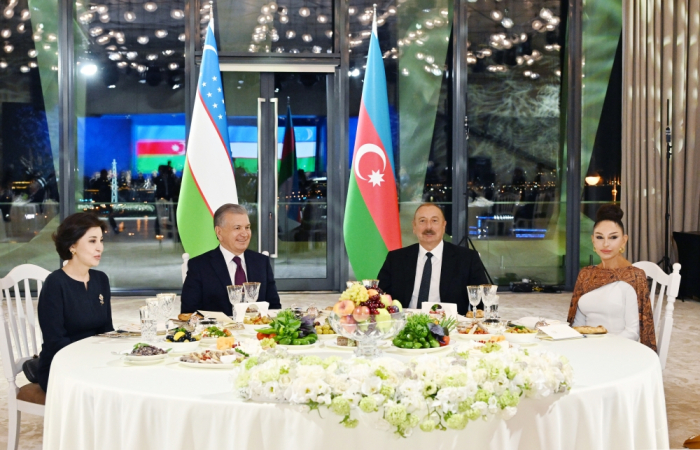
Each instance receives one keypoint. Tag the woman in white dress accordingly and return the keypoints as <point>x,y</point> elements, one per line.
<point>614,293</point>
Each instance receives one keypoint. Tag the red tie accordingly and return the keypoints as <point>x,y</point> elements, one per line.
<point>240,273</point>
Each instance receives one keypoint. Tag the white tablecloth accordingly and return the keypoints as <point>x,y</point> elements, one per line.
<point>95,401</point>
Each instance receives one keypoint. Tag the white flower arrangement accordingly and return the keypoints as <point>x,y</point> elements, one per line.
<point>475,381</point>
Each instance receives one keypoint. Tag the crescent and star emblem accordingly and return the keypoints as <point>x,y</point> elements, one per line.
<point>376,177</point>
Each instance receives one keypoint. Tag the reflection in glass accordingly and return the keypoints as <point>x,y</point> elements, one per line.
<point>515,152</point>
<point>29,159</point>
<point>130,108</point>
<point>261,26</point>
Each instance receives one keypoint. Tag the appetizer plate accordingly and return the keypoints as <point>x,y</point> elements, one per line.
<point>419,351</point>
<point>207,366</point>
<point>141,359</point>
<point>180,347</point>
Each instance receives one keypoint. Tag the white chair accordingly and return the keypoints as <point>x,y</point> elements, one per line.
<point>668,285</point>
<point>19,342</point>
<point>183,267</point>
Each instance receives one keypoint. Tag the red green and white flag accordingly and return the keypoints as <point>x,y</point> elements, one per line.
<point>207,180</point>
<point>289,192</point>
<point>371,226</point>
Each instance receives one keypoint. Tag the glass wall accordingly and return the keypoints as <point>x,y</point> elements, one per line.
<point>29,155</point>
<point>416,41</point>
<point>130,114</point>
<point>515,165</point>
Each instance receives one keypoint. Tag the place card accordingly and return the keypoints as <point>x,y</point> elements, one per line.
<point>449,308</point>
<point>560,331</point>
<point>218,316</point>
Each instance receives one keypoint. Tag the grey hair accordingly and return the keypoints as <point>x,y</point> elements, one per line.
<point>423,205</point>
<point>227,208</point>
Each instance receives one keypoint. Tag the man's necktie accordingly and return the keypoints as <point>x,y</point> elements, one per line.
<point>424,290</point>
<point>240,273</point>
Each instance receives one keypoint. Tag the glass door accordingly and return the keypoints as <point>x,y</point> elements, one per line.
<point>279,136</point>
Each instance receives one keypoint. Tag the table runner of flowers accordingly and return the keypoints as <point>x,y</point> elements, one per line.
<point>431,392</point>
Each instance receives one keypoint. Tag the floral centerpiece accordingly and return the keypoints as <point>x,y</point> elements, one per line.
<point>476,381</point>
<point>366,315</point>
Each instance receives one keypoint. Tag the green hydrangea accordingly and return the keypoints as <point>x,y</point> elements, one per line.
<point>395,414</point>
<point>464,406</point>
<point>330,360</point>
<point>351,423</point>
<point>242,380</point>
<point>340,406</point>
<point>382,373</point>
<point>311,361</point>
<point>508,399</point>
<point>430,388</point>
<point>411,421</point>
<point>368,404</point>
<point>387,391</point>
<point>252,362</point>
<point>457,421</point>
<point>482,396</point>
<point>458,380</point>
<point>472,414</point>
<point>428,425</point>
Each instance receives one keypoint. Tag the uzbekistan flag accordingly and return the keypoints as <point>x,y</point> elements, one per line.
<point>207,181</point>
<point>288,176</point>
<point>371,226</point>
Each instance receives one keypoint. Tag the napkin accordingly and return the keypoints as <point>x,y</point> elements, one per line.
<point>241,308</point>
<point>560,331</point>
<point>531,321</point>
<point>449,308</point>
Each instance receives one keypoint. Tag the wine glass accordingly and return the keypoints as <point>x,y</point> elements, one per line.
<point>235,296</point>
<point>475,293</point>
<point>489,298</point>
<point>252,290</point>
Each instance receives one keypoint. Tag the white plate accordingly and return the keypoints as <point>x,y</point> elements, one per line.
<point>472,337</point>
<point>147,362</point>
<point>137,358</point>
<point>327,337</point>
<point>418,351</point>
<point>179,347</point>
<point>207,366</point>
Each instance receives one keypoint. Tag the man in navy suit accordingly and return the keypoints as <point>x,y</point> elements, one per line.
<point>231,263</point>
<point>432,270</point>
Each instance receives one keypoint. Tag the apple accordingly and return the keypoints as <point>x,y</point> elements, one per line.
<point>386,299</point>
<point>383,320</point>
<point>361,313</point>
<point>348,324</point>
<point>397,304</point>
<point>344,307</point>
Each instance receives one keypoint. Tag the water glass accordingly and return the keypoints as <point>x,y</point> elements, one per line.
<point>252,290</point>
<point>235,296</point>
<point>149,324</point>
<point>167,306</point>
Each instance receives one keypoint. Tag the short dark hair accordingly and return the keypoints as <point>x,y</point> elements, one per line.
<point>72,229</point>
<point>423,205</point>
<point>609,212</point>
<point>227,208</point>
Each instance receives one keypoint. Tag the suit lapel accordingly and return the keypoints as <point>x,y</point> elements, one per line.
<point>410,263</point>
<point>448,264</point>
<point>252,269</point>
<point>220,267</point>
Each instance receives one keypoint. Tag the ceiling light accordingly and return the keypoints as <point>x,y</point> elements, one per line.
<point>161,33</point>
<point>6,33</point>
<point>316,49</point>
<point>32,53</point>
<point>546,14</point>
<point>9,48</point>
<point>282,11</point>
<point>88,69</point>
<point>104,18</point>
<point>304,12</point>
<point>177,14</point>
<point>352,10</point>
<point>507,22</point>
<point>25,14</point>
<point>329,34</point>
<point>20,28</point>
<point>96,31</point>
<point>24,69</point>
<point>496,15</point>
<point>132,55</point>
<point>152,56</point>
<point>307,38</point>
<point>115,56</point>
<point>129,16</point>
<point>536,24</point>
<point>181,38</point>
<point>150,6</point>
<point>101,9</point>
<point>391,10</point>
<point>9,13</point>
<point>290,34</point>
<point>102,40</point>
<point>141,68</point>
<point>86,18</point>
<point>173,66</point>
<point>122,64</point>
<point>143,40</point>
<point>168,52</point>
<point>294,50</point>
<point>32,65</point>
<point>3,64</point>
<point>273,7</point>
<point>284,19</point>
<point>322,19</point>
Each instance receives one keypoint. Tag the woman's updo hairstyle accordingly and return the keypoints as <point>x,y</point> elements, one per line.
<point>610,212</point>
<point>72,229</point>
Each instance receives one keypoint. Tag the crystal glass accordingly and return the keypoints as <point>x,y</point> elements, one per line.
<point>475,293</point>
<point>350,284</point>
<point>367,333</point>
<point>149,324</point>
<point>252,290</point>
<point>167,306</point>
<point>371,284</point>
<point>489,298</point>
<point>155,307</point>
<point>235,296</point>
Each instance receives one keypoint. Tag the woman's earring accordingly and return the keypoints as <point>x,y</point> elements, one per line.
<point>622,249</point>
<point>72,252</point>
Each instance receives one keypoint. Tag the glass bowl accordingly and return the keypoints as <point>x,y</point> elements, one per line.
<point>369,332</point>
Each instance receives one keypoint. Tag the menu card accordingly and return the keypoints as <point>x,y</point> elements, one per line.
<point>560,331</point>
<point>218,316</point>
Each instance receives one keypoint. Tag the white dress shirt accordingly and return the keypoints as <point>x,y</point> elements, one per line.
<point>230,265</point>
<point>614,306</point>
<point>436,266</point>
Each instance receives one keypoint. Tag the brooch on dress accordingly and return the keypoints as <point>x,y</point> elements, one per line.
<point>102,299</point>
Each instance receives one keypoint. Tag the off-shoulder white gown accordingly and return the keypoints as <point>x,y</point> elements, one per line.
<point>614,306</point>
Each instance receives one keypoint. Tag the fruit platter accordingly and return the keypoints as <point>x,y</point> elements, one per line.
<point>424,334</point>
<point>287,329</point>
<point>366,315</point>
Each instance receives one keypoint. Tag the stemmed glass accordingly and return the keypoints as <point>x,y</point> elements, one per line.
<point>252,290</point>
<point>475,293</point>
<point>490,299</point>
<point>235,296</point>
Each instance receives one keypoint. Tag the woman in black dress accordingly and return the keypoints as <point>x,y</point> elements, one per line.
<point>75,300</point>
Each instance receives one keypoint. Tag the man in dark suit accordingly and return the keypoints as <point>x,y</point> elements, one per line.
<point>230,263</point>
<point>432,270</point>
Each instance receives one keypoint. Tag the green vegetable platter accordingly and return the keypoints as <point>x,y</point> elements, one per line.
<point>422,334</point>
<point>287,330</point>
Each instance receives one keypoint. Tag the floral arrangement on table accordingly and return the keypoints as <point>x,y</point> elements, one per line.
<point>476,381</point>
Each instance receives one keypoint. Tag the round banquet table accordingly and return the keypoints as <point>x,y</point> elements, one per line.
<point>96,401</point>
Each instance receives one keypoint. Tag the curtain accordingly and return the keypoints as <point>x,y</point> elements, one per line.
<point>660,55</point>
